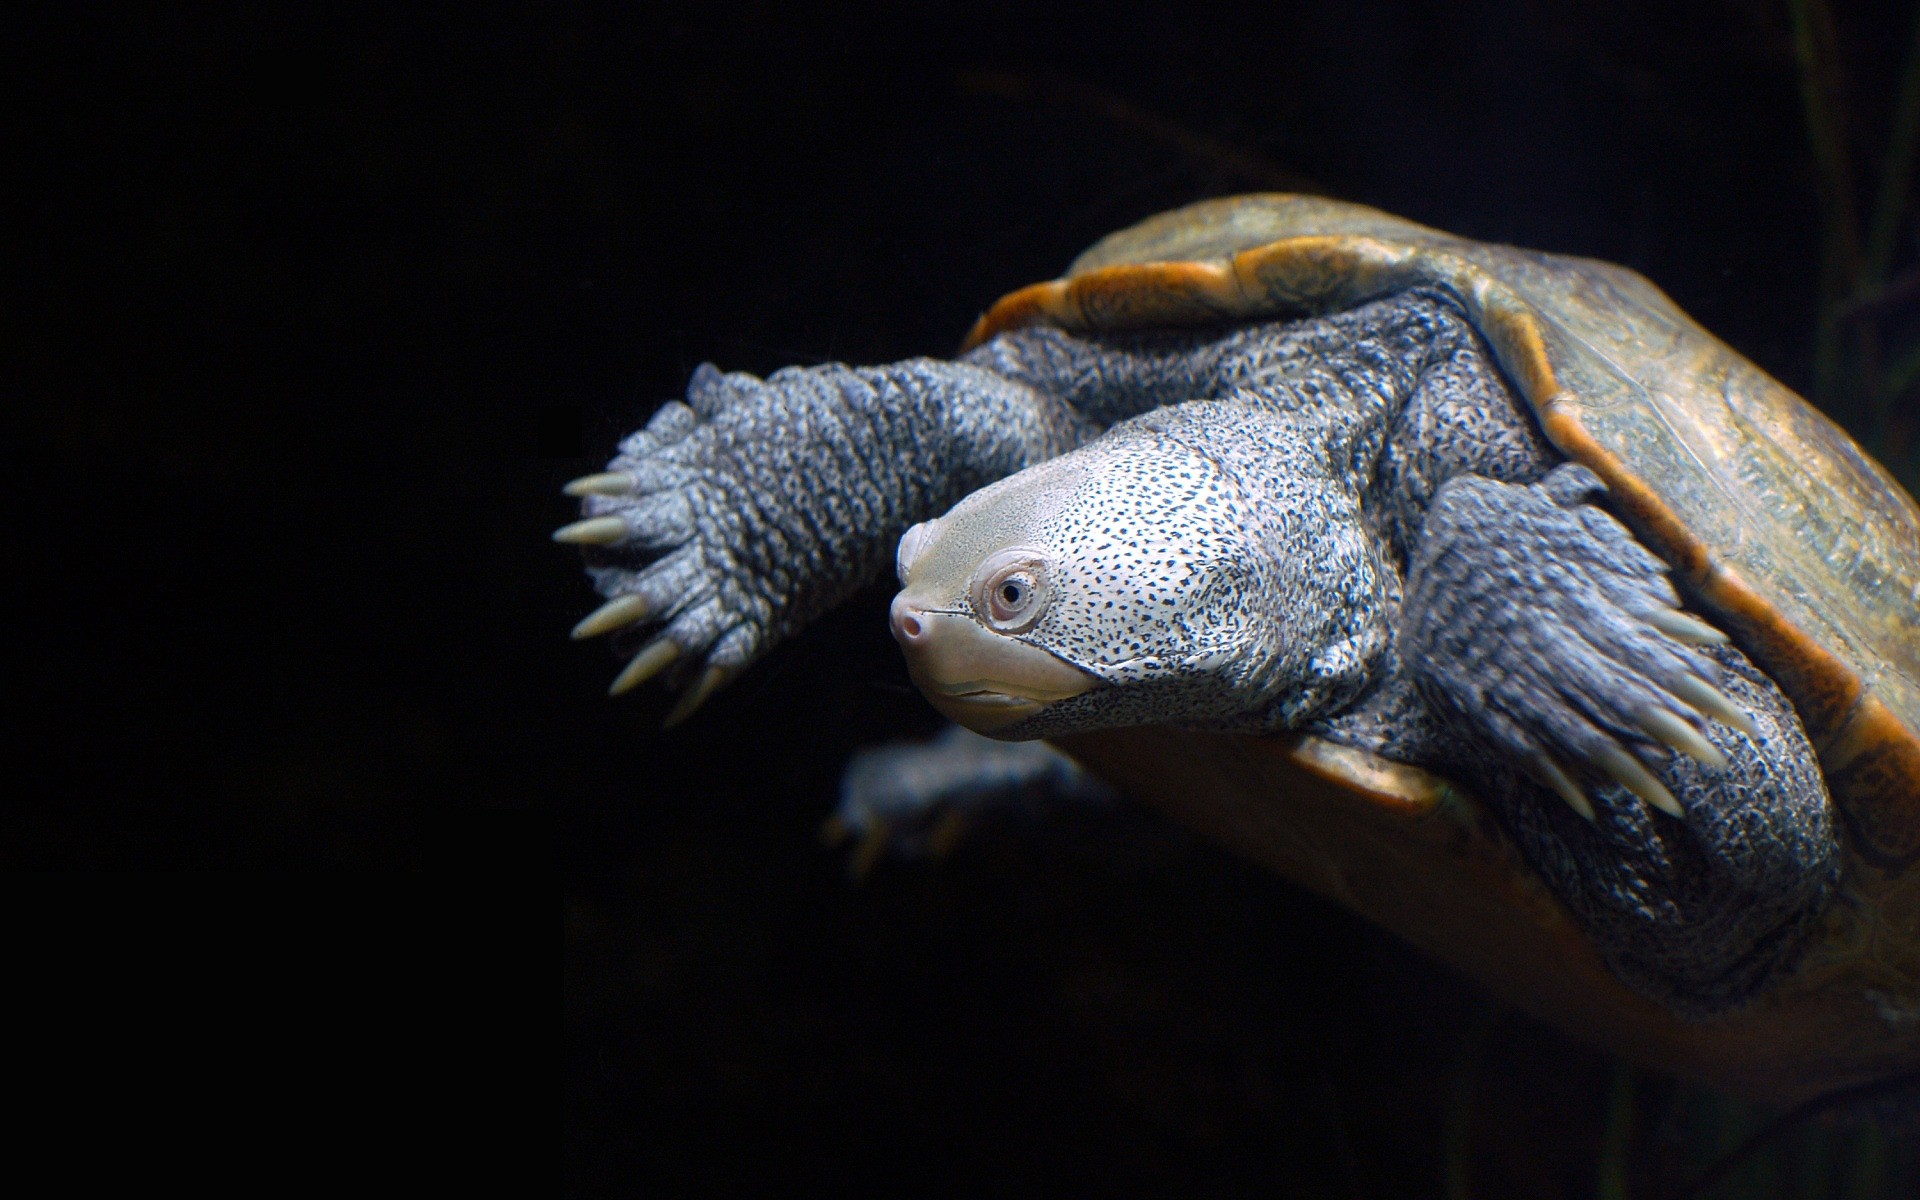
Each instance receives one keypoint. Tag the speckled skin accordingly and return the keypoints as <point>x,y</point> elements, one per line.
<point>1348,525</point>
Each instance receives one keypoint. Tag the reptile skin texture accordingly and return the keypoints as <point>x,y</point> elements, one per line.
<point>1405,562</point>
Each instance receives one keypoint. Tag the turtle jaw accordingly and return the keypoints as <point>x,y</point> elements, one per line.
<point>975,677</point>
<point>982,711</point>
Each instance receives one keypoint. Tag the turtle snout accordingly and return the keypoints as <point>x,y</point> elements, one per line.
<point>909,623</point>
<point>981,679</point>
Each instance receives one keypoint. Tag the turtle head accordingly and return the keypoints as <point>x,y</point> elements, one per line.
<point>1130,582</point>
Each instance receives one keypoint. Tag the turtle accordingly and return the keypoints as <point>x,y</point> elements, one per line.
<point>1477,588</point>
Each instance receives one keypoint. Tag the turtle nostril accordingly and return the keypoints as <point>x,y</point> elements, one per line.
<point>907,623</point>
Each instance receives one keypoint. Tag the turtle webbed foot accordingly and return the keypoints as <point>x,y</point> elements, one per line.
<point>921,799</point>
<point>1536,620</point>
<point>662,533</point>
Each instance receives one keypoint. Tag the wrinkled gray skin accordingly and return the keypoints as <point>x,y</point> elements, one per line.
<point>1394,558</point>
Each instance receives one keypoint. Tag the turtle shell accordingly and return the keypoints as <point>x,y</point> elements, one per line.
<point>1802,547</point>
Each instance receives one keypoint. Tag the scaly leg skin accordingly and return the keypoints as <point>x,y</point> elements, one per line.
<point>1692,832</point>
<point>735,519</point>
<point>918,799</point>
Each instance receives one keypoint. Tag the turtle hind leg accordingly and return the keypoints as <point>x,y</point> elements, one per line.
<point>919,799</point>
<point>1660,783</point>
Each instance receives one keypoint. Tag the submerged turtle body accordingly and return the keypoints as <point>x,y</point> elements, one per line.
<point>1331,481</point>
<point>1772,520</point>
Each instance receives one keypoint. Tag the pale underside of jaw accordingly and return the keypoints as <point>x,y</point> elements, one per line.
<point>984,680</point>
<point>984,712</point>
<point>994,690</point>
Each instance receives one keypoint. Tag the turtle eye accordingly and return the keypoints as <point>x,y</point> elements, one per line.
<point>1010,590</point>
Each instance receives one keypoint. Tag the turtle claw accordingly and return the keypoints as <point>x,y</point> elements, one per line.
<point>606,483</point>
<point>1631,774</point>
<point>1684,628</point>
<point>1563,784</point>
<point>1663,726</point>
<point>594,531</point>
<point>652,549</point>
<point>1600,672</point>
<point>694,530</point>
<point>616,613</point>
<point>1708,700</point>
<point>710,681</point>
<point>658,655</point>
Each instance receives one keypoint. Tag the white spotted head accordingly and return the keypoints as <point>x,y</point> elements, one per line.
<point>1129,582</point>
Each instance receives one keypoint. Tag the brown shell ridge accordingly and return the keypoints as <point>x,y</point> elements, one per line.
<point>1873,762</point>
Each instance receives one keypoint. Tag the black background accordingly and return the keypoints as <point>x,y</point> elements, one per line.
<point>323,306</point>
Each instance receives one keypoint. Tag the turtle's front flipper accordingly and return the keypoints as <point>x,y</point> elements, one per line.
<point>1547,642</point>
<point>733,520</point>
<point>918,798</point>
<point>1536,620</point>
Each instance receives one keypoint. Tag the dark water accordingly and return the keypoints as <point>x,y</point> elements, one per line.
<point>326,307</point>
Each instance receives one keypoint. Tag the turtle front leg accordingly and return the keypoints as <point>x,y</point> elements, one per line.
<point>1536,619</point>
<point>1550,645</point>
<point>734,519</point>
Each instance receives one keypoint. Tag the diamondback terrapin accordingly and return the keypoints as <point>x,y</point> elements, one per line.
<point>1477,588</point>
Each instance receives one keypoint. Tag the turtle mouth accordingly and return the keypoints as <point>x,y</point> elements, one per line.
<point>989,692</point>
<point>982,710</point>
<point>986,705</point>
<point>977,678</point>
